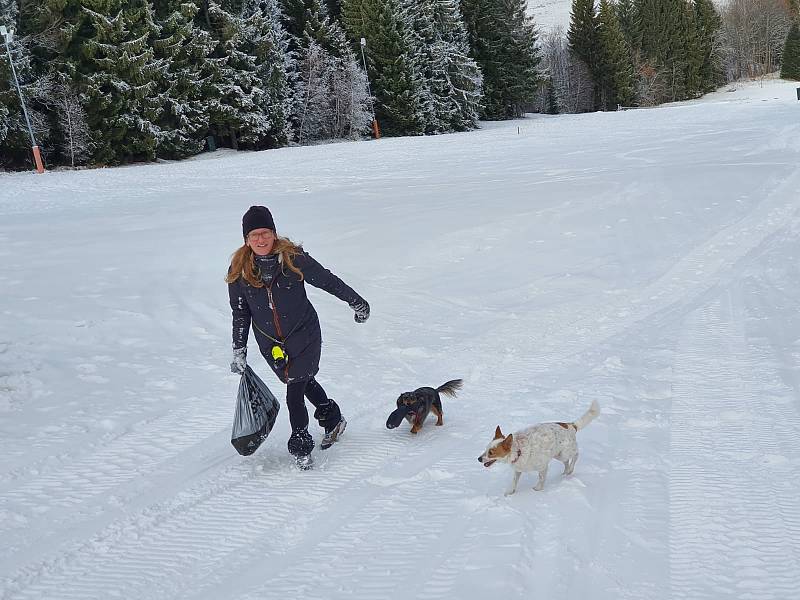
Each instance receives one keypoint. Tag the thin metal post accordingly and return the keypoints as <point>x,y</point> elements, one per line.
<point>376,132</point>
<point>37,157</point>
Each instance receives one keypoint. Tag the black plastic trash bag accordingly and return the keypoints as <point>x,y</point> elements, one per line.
<point>256,411</point>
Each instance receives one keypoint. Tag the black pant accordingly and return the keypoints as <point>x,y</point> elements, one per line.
<point>327,411</point>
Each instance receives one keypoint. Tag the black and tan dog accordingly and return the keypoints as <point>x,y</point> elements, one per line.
<point>417,405</point>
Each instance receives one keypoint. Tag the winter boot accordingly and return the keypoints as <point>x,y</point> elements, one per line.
<point>328,415</point>
<point>305,463</point>
<point>300,446</point>
<point>332,436</point>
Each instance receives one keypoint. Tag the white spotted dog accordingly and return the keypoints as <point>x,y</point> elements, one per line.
<point>533,448</point>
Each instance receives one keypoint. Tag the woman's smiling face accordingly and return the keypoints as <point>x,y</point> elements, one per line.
<point>261,241</point>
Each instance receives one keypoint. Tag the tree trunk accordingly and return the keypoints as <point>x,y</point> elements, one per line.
<point>71,137</point>
<point>234,141</point>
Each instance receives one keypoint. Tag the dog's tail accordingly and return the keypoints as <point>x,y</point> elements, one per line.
<point>588,416</point>
<point>450,388</point>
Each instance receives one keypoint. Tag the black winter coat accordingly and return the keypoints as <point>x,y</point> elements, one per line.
<point>289,320</point>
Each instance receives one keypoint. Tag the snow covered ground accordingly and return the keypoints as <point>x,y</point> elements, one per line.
<point>548,14</point>
<point>647,259</point>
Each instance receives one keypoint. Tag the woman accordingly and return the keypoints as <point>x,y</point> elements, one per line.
<point>266,284</point>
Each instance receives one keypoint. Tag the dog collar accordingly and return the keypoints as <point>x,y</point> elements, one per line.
<point>517,457</point>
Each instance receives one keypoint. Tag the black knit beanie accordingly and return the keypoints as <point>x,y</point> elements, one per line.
<point>257,217</point>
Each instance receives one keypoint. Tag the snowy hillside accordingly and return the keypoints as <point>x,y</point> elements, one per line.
<point>645,259</point>
<point>550,13</point>
<point>553,13</point>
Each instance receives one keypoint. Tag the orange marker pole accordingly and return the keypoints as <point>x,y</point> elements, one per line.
<point>376,131</point>
<point>8,35</point>
<point>37,158</point>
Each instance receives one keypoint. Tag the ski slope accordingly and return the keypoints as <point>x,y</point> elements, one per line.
<point>646,259</point>
<point>550,14</point>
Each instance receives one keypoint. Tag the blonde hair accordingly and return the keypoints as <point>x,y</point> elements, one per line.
<point>243,262</point>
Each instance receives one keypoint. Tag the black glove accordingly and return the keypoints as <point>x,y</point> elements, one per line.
<point>361,308</point>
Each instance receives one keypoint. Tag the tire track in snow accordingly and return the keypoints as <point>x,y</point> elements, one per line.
<point>155,551</point>
<point>402,542</point>
<point>350,537</point>
<point>562,335</point>
<point>568,338</point>
<point>356,558</point>
<point>735,526</point>
<point>172,547</point>
<point>74,485</point>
